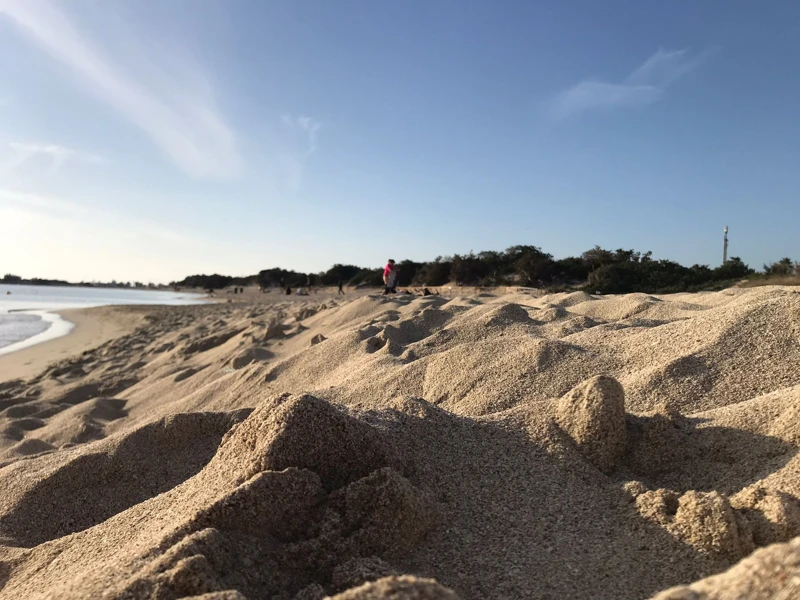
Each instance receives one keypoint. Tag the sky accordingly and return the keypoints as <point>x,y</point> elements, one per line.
<point>149,140</point>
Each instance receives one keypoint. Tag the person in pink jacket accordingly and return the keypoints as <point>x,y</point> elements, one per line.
<point>390,278</point>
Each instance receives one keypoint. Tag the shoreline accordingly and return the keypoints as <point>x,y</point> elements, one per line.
<point>59,327</point>
<point>91,327</point>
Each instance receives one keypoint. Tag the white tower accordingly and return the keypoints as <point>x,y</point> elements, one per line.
<point>725,246</point>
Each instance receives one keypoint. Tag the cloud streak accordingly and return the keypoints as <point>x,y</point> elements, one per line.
<point>174,108</point>
<point>645,85</point>
<point>303,131</point>
<point>56,155</point>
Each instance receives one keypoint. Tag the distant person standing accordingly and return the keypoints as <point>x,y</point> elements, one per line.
<point>341,288</point>
<point>390,278</point>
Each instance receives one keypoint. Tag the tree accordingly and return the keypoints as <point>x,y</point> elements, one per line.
<point>434,273</point>
<point>615,278</point>
<point>531,265</point>
<point>570,269</point>
<point>206,282</point>
<point>734,268</point>
<point>280,277</point>
<point>339,273</point>
<point>407,271</point>
<point>659,275</point>
<point>698,275</point>
<point>467,269</point>
<point>597,257</point>
<point>496,267</point>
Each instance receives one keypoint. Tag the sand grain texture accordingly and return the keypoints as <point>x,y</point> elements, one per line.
<point>486,446</point>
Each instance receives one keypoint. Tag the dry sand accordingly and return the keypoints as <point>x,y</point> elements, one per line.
<point>484,446</point>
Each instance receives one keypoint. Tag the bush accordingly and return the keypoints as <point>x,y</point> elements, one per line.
<point>784,266</point>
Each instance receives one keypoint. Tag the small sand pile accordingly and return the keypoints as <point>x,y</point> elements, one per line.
<point>703,520</point>
<point>593,414</point>
<point>407,588</point>
<point>563,446</point>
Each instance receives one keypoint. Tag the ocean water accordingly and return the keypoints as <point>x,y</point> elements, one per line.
<point>29,313</point>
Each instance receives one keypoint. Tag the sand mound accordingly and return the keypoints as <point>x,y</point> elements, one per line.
<point>250,356</point>
<point>568,300</point>
<point>507,314</point>
<point>357,571</point>
<point>667,449</point>
<point>208,342</point>
<point>306,432</point>
<point>108,479</point>
<point>769,574</point>
<point>551,314</point>
<point>492,376</point>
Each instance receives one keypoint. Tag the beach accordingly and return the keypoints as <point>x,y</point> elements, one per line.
<point>483,444</point>
<point>92,327</point>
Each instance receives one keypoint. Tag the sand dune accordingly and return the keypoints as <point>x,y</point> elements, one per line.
<point>512,446</point>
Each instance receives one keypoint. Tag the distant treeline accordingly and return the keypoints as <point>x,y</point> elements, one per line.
<point>16,279</point>
<point>596,270</point>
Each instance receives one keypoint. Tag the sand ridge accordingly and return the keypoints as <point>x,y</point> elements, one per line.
<point>505,446</point>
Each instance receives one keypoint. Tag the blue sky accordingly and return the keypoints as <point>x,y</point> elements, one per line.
<point>150,140</point>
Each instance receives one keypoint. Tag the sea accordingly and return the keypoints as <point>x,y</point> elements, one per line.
<point>29,313</point>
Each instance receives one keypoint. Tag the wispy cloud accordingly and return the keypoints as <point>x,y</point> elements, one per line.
<point>55,155</point>
<point>174,107</point>
<point>303,143</point>
<point>307,126</point>
<point>643,86</point>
